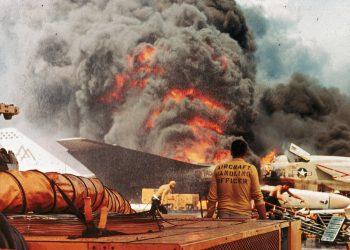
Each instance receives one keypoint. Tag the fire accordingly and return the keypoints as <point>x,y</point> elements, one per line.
<point>269,157</point>
<point>152,117</point>
<point>117,92</point>
<point>200,153</point>
<point>201,150</point>
<point>179,95</point>
<point>140,69</point>
<point>206,129</point>
<point>146,54</point>
<point>193,95</point>
<point>194,151</point>
<point>200,122</point>
<point>221,156</point>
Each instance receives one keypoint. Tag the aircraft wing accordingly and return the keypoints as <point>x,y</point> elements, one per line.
<point>81,148</point>
<point>130,170</point>
<point>336,173</point>
<point>82,144</point>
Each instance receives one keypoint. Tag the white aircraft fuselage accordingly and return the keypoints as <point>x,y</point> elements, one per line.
<point>314,171</point>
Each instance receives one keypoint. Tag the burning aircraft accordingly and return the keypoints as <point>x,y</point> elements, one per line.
<point>306,171</point>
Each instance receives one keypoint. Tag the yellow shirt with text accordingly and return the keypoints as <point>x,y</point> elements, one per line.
<point>234,184</point>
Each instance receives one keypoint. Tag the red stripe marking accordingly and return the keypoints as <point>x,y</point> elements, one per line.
<point>343,173</point>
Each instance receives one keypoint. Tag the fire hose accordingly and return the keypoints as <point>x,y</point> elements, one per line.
<point>32,191</point>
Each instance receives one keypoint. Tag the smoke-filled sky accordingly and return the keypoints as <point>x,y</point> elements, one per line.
<point>314,35</point>
<point>180,78</point>
<point>311,36</point>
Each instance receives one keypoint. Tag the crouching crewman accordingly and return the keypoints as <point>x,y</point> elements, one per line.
<point>159,197</point>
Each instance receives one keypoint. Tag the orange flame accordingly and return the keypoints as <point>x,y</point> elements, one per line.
<point>268,158</point>
<point>200,150</point>
<point>178,95</point>
<point>146,54</point>
<point>141,67</point>
<point>194,152</point>
<point>117,92</point>
<point>152,117</point>
<point>200,122</point>
<point>140,70</point>
<point>221,156</point>
<point>200,153</point>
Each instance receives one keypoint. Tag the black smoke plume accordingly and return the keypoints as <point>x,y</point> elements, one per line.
<point>101,69</point>
<point>303,112</point>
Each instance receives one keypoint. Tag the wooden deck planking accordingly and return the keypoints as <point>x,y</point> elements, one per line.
<point>183,229</point>
<point>184,234</point>
<point>188,236</point>
<point>226,233</point>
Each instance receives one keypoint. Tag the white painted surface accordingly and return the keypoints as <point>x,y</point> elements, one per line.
<point>32,156</point>
<point>313,199</point>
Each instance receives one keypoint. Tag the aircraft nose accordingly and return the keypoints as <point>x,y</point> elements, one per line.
<point>337,201</point>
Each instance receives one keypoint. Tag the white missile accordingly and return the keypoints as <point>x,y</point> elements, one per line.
<point>313,199</point>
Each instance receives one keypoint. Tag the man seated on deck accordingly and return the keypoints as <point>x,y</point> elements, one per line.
<point>159,197</point>
<point>234,184</point>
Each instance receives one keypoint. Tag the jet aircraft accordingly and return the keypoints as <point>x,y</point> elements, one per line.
<point>311,172</point>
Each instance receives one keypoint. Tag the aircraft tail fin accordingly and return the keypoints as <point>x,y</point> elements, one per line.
<point>298,151</point>
<point>30,155</point>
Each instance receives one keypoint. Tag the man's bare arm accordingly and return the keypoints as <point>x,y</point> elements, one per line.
<point>295,196</point>
<point>257,194</point>
<point>164,194</point>
<point>280,196</point>
<point>261,211</point>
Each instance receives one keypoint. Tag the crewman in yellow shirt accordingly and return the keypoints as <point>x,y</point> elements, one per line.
<point>234,184</point>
